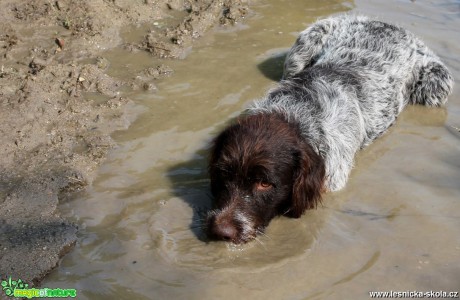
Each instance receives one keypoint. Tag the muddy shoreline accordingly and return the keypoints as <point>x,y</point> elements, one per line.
<point>52,136</point>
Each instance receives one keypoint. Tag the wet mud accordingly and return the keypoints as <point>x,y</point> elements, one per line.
<point>394,226</point>
<point>60,106</point>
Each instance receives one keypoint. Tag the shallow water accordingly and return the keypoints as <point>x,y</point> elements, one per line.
<point>394,227</point>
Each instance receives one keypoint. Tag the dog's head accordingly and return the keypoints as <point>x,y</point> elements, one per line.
<point>260,167</point>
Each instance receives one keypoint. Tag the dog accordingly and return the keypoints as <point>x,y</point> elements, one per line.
<point>345,81</point>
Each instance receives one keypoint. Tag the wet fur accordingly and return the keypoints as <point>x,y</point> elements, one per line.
<point>346,79</point>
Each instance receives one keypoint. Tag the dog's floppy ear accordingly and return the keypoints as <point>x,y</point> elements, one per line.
<point>216,151</point>
<point>308,181</point>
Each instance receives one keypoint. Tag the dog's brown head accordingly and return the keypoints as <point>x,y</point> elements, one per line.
<point>260,167</point>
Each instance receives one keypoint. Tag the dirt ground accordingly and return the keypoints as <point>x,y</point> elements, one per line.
<point>52,137</point>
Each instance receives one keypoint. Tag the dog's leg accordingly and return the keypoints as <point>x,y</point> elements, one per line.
<point>307,48</point>
<point>335,181</point>
<point>433,85</point>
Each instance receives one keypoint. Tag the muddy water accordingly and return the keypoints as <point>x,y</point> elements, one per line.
<point>394,227</point>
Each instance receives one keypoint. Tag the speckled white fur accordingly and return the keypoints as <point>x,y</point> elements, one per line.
<point>346,79</point>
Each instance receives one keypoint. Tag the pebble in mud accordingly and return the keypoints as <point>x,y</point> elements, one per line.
<point>149,86</point>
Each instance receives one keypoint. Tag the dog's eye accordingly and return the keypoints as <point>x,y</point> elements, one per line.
<point>263,186</point>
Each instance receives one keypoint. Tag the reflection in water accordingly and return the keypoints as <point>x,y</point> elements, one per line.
<point>397,219</point>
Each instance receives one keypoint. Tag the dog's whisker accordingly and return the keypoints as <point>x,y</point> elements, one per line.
<point>263,233</point>
<point>287,211</point>
<point>260,242</point>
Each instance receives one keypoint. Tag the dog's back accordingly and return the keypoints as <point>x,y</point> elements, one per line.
<point>379,50</point>
<point>346,80</point>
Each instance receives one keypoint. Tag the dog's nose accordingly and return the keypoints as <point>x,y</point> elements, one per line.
<point>223,230</point>
<point>226,231</point>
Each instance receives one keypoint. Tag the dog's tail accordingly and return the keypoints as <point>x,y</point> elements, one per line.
<point>433,85</point>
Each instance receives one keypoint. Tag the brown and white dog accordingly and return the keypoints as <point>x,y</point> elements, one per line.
<point>345,81</point>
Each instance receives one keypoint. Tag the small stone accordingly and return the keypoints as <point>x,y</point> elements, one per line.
<point>102,63</point>
<point>60,43</point>
<point>149,86</point>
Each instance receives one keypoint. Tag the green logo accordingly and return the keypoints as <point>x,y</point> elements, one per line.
<point>8,286</point>
<point>19,289</point>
